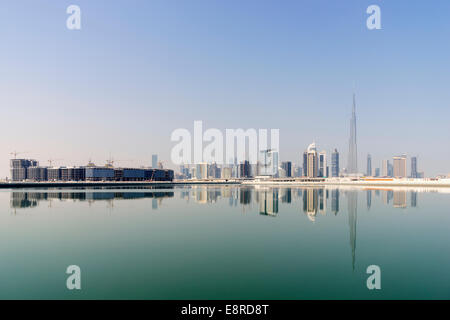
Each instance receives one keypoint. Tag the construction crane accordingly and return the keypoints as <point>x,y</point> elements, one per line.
<point>110,162</point>
<point>90,163</point>
<point>15,153</point>
<point>50,161</point>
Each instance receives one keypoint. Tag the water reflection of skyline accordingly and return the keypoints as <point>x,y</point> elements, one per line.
<point>268,200</point>
<point>32,199</point>
<point>311,200</point>
<point>352,199</point>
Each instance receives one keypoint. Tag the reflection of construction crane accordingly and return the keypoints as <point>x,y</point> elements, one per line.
<point>50,161</point>
<point>110,204</point>
<point>15,153</point>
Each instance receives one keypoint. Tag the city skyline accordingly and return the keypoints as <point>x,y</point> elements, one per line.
<point>313,164</point>
<point>132,75</point>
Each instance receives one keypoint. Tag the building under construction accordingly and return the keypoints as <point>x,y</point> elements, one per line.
<point>29,170</point>
<point>19,168</point>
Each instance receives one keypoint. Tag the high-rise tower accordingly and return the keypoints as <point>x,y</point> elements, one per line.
<point>322,164</point>
<point>369,165</point>
<point>352,165</point>
<point>335,163</point>
<point>400,166</point>
<point>414,167</point>
<point>312,161</point>
<point>154,161</point>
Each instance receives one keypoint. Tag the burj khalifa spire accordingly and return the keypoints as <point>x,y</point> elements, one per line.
<point>352,165</point>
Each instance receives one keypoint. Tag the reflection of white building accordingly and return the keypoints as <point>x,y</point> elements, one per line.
<point>226,192</point>
<point>399,199</point>
<point>200,194</point>
<point>323,201</point>
<point>311,216</point>
<point>268,202</point>
<point>310,202</point>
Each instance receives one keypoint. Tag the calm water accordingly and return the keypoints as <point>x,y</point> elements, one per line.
<point>225,242</point>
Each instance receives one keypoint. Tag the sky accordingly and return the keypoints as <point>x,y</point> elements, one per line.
<point>138,70</point>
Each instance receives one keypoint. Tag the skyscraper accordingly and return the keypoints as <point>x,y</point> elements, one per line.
<point>352,165</point>
<point>377,172</point>
<point>390,170</point>
<point>400,166</point>
<point>335,163</point>
<point>287,167</point>
<point>244,169</point>
<point>226,173</point>
<point>202,171</point>
<point>312,161</point>
<point>385,168</point>
<point>213,171</point>
<point>322,164</point>
<point>275,162</point>
<point>369,165</point>
<point>298,171</point>
<point>19,168</point>
<point>413,167</point>
<point>269,163</point>
<point>154,161</point>
<point>305,163</point>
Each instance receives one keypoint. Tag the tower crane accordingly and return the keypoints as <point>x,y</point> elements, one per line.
<point>110,162</point>
<point>15,153</point>
<point>50,161</point>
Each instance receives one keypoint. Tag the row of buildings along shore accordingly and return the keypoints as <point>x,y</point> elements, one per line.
<point>313,164</point>
<point>313,167</point>
<point>29,170</point>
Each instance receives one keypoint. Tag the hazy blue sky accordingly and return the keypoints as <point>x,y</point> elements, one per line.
<point>140,69</point>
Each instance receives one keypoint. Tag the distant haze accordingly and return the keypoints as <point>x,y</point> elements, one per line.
<point>138,70</point>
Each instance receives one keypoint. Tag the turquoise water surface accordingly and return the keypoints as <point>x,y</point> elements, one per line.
<point>225,242</point>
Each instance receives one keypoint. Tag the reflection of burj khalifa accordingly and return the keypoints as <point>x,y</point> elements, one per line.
<point>352,198</point>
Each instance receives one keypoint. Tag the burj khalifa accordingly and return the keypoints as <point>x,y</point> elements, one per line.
<point>352,165</point>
